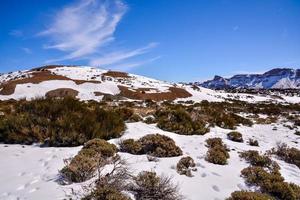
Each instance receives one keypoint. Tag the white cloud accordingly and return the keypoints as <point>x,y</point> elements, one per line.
<point>131,65</point>
<point>117,57</point>
<point>85,29</point>
<point>26,50</point>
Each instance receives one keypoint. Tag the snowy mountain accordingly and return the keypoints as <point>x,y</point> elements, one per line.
<point>88,83</point>
<point>279,78</point>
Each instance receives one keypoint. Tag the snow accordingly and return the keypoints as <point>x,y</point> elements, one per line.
<point>31,172</point>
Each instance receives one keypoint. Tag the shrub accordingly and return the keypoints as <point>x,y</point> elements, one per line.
<point>153,144</point>
<point>247,195</point>
<point>289,155</point>
<point>80,168</point>
<point>253,142</point>
<point>235,136</point>
<point>83,166</point>
<point>149,186</point>
<point>105,193</point>
<point>135,118</point>
<point>179,121</point>
<point>217,152</point>
<point>213,142</point>
<point>130,146</point>
<point>102,147</point>
<point>217,155</point>
<point>185,166</point>
<point>255,159</point>
<point>150,120</point>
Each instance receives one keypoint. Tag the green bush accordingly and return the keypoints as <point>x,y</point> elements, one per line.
<point>185,166</point>
<point>149,186</point>
<point>235,136</point>
<point>59,122</point>
<point>153,144</point>
<point>247,195</point>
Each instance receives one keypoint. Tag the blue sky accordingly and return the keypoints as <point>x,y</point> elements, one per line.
<point>173,40</point>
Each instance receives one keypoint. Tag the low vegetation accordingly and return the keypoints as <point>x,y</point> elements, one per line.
<point>58,122</point>
<point>185,166</point>
<point>153,144</point>
<point>149,186</point>
<point>235,136</point>
<point>83,166</point>
<point>217,152</point>
<point>247,195</point>
<point>289,155</point>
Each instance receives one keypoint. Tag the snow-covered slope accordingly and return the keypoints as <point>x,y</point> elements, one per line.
<point>281,78</point>
<point>31,172</point>
<point>88,83</point>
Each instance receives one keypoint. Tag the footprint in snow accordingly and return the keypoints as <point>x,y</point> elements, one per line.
<point>203,175</point>
<point>215,188</point>
<point>200,165</point>
<point>22,174</point>
<point>216,174</point>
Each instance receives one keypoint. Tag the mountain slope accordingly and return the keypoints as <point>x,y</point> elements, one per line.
<point>88,83</point>
<point>278,78</point>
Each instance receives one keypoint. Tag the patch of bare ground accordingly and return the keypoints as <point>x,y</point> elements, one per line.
<point>139,94</point>
<point>116,74</point>
<point>62,92</point>
<point>37,76</point>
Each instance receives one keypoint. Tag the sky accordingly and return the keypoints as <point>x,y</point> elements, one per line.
<point>173,40</point>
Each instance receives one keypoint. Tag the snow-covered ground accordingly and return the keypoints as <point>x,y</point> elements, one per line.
<point>30,172</point>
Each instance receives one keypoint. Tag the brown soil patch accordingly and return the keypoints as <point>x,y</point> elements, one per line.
<point>173,94</point>
<point>62,92</point>
<point>116,74</point>
<point>38,76</point>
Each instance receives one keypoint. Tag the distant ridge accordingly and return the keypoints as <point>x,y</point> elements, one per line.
<point>277,78</point>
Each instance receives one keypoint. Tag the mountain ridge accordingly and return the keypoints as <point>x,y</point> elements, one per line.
<point>277,78</point>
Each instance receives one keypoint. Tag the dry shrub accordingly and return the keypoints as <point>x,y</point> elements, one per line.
<point>185,166</point>
<point>149,186</point>
<point>106,193</point>
<point>247,195</point>
<point>153,144</point>
<point>217,152</point>
<point>83,166</point>
<point>253,142</point>
<point>235,136</point>
<point>255,159</point>
<point>289,155</point>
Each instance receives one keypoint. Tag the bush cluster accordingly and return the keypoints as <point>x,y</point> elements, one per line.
<point>264,174</point>
<point>235,136</point>
<point>83,166</point>
<point>185,166</point>
<point>178,120</point>
<point>153,144</point>
<point>217,152</point>
<point>289,155</point>
<point>59,122</point>
<point>105,193</point>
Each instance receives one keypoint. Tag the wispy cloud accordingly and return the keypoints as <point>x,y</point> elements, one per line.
<point>235,28</point>
<point>26,50</point>
<point>117,57</point>
<point>130,65</point>
<point>84,29</point>
<point>16,33</point>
